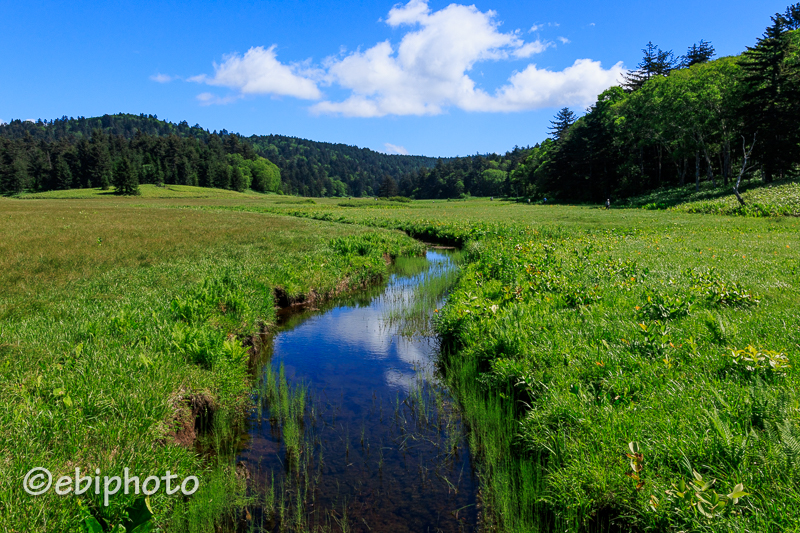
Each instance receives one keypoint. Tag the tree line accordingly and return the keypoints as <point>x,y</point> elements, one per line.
<point>672,121</point>
<point>679,121</point>
<point>88,152</point>
<point>63,158</point>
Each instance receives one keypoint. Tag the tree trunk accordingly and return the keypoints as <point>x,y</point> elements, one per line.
<point>683,170</point>
<point>697,171</point>
<point>744,167</point>
<point>659,166</point>
<point>709,167</point>
<point>726,162</point>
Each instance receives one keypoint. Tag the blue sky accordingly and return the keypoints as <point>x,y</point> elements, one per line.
<point>429,78</point>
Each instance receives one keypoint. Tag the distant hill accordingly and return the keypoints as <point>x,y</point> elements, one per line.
<point>309,168</point>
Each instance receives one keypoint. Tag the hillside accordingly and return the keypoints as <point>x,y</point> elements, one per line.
<point>309,168</point>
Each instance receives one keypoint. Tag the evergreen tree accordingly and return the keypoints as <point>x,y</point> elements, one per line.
<point>656,62</point>
<point>791,17</point>
<point>771,99</point>
<point>388,187</point>
<point>101,165</point>
<point>126,181</point>
<point>561,123</point>
<point>237,179</point>
<point>61,173</point>
<point>701,52</point>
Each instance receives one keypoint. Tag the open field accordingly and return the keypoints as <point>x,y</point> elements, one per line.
<point>145,191</point>
<point>607,359</point>
<point>121,344</point>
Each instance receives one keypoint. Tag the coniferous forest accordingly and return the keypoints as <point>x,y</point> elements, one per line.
<point>672,121</point>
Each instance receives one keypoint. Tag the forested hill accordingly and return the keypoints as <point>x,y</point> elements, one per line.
<point>675,121</point>
<point>308,168</point>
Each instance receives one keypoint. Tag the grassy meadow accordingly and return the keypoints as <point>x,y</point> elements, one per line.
<point>628,370</point>
<point>126,333</point>
<point>620,370</point>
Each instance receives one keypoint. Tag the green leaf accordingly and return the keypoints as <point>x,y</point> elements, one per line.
<point>703,511</point>
<point>92,525</point>
<point>146,527</point>
<point>67,401</point>
<point>708,485</point>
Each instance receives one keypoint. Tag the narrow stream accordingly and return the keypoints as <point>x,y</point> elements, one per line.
<point>362,436</point>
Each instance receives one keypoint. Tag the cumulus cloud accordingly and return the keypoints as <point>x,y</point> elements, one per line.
<point>534,88</point>
<point>394,149</point>
<point>428,71</point>
<point>163,78</point>
<point>258,71</point>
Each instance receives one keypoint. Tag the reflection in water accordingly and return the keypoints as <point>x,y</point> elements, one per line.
<point>384,450</point>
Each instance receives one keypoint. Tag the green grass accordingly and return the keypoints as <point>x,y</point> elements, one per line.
<point>146,191</point>
<point>124,333</point>
<point>576,338</point>
<point>777,199</point>
<point>579,338</point>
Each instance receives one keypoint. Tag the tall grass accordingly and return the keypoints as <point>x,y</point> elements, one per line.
<point>579,335</point>
<point>124,342</point>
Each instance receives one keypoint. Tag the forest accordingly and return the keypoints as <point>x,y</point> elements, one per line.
<point>678,121</point>
<point>89,152</point>
<point>672,121</point>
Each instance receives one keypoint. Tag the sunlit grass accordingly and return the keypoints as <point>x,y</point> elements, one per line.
<point>576,331</point>
<point>121,342</point>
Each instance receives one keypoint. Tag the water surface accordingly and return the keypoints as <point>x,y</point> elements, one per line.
<point>384,448</point>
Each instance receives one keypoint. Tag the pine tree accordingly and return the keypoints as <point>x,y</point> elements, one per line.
<point>771,100</point>
<point>701,52</point>
<point>656,62</point>
<point>791,17</point>
<point>126,181</point>
<point>61,174</point>
<point>561,123</point>
<point>388,187</point>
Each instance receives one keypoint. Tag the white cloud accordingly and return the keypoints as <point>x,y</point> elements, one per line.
<point>213,99</point>
<point>259,72</point>
<point>394,149</point>
<point>29,120</point>
<point>533,88</point>
<point>426,73</point>
<point>163,78</point>
<point>528,49</point>
<point>535,28</point>
<point>2,122</point>
<point>429,70</point>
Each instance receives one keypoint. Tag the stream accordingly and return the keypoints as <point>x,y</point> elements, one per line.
<point>354,430</point>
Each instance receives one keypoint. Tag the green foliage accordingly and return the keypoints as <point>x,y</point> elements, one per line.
<point>553,388</point>
<point>760,361</point>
